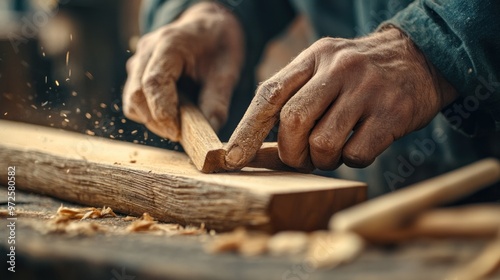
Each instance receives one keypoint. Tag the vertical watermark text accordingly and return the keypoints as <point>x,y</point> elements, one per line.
<point>11,220</point>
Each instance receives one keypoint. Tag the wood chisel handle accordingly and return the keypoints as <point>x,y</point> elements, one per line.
<point>393,210</point>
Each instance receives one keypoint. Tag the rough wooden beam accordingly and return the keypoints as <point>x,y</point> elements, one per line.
<point>134,179</point>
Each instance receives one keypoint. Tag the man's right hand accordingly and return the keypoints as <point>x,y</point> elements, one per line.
<point>205,44</point>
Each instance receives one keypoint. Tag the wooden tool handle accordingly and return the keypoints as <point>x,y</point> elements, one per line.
<point>392,210</point>
<point>206,150</point>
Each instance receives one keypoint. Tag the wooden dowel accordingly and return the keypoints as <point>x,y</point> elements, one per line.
<point>393,210</point>
<point>473,221</point>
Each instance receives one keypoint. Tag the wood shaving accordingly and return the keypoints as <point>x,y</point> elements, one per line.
<point>288,243</point>
<point>330,249</point>
<point>254,245</point>
<point>147,224</point>
<point>141,226</point>
<point>241,241</point>
<point>228,242</point>
<point>63,222</point>
<point>193,230</point>
<point>65,213</point>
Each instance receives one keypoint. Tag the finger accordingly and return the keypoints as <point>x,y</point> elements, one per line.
<point>299,116</point>
<point>263,112</point>
<point>330,133</point>
<point>159,86</point>
<point>134,102</point>
<point>367,142</point>
<point>218,86</point>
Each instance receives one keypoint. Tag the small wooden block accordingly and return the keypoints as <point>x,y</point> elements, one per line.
<point>133,179</point>
<point>204,148</point>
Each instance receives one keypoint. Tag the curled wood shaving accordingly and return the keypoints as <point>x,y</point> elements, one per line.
<point>193,230</point>
<point>129,218</point>
<point>330,249</point>
<point>148,224</point>
<point>65,213</point>
<point>143,224</point>
<point>288,243</point>
<point>63,222</point>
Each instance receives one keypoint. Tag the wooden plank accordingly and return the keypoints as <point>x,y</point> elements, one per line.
<point>146,256</point>
<point>183,257</point>
<point>134,179</point>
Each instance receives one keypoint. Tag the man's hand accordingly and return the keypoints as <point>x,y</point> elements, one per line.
<point>342,101</point>
<point>205,44</point>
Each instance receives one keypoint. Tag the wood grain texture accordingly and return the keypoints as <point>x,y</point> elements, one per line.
<point>133,179</point>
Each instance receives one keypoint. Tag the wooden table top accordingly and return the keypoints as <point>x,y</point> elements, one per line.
<point>148,256</point>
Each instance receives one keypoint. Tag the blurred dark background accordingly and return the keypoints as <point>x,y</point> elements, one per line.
<point>62,64</point>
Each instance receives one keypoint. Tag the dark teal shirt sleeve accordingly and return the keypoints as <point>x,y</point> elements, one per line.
<point>262,20</point>
<point>461,38</point>
<point>156,13</point>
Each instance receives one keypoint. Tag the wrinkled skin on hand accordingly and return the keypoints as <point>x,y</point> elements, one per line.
<point>343,101</point>
<point>204,44</point>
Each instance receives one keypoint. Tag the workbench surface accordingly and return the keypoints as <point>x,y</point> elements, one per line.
<point>148,256</point>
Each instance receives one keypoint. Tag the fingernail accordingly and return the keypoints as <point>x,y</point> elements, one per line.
<point>234,156</point>
<point>215,123</point>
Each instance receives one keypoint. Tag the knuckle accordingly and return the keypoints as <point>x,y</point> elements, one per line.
<point>292,160</point>
<point>323,144</point>
<point>294,116</point>
<point>329,44</point>
<point>167,31</point>
<point>325,44</point>
<point>270,92</point>
<point>353,158</point>
<point>152,82</point>
<point>143,42</point>
<point>351,59</point>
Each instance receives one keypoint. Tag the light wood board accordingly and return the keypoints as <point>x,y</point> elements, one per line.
<point>133,179</point>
